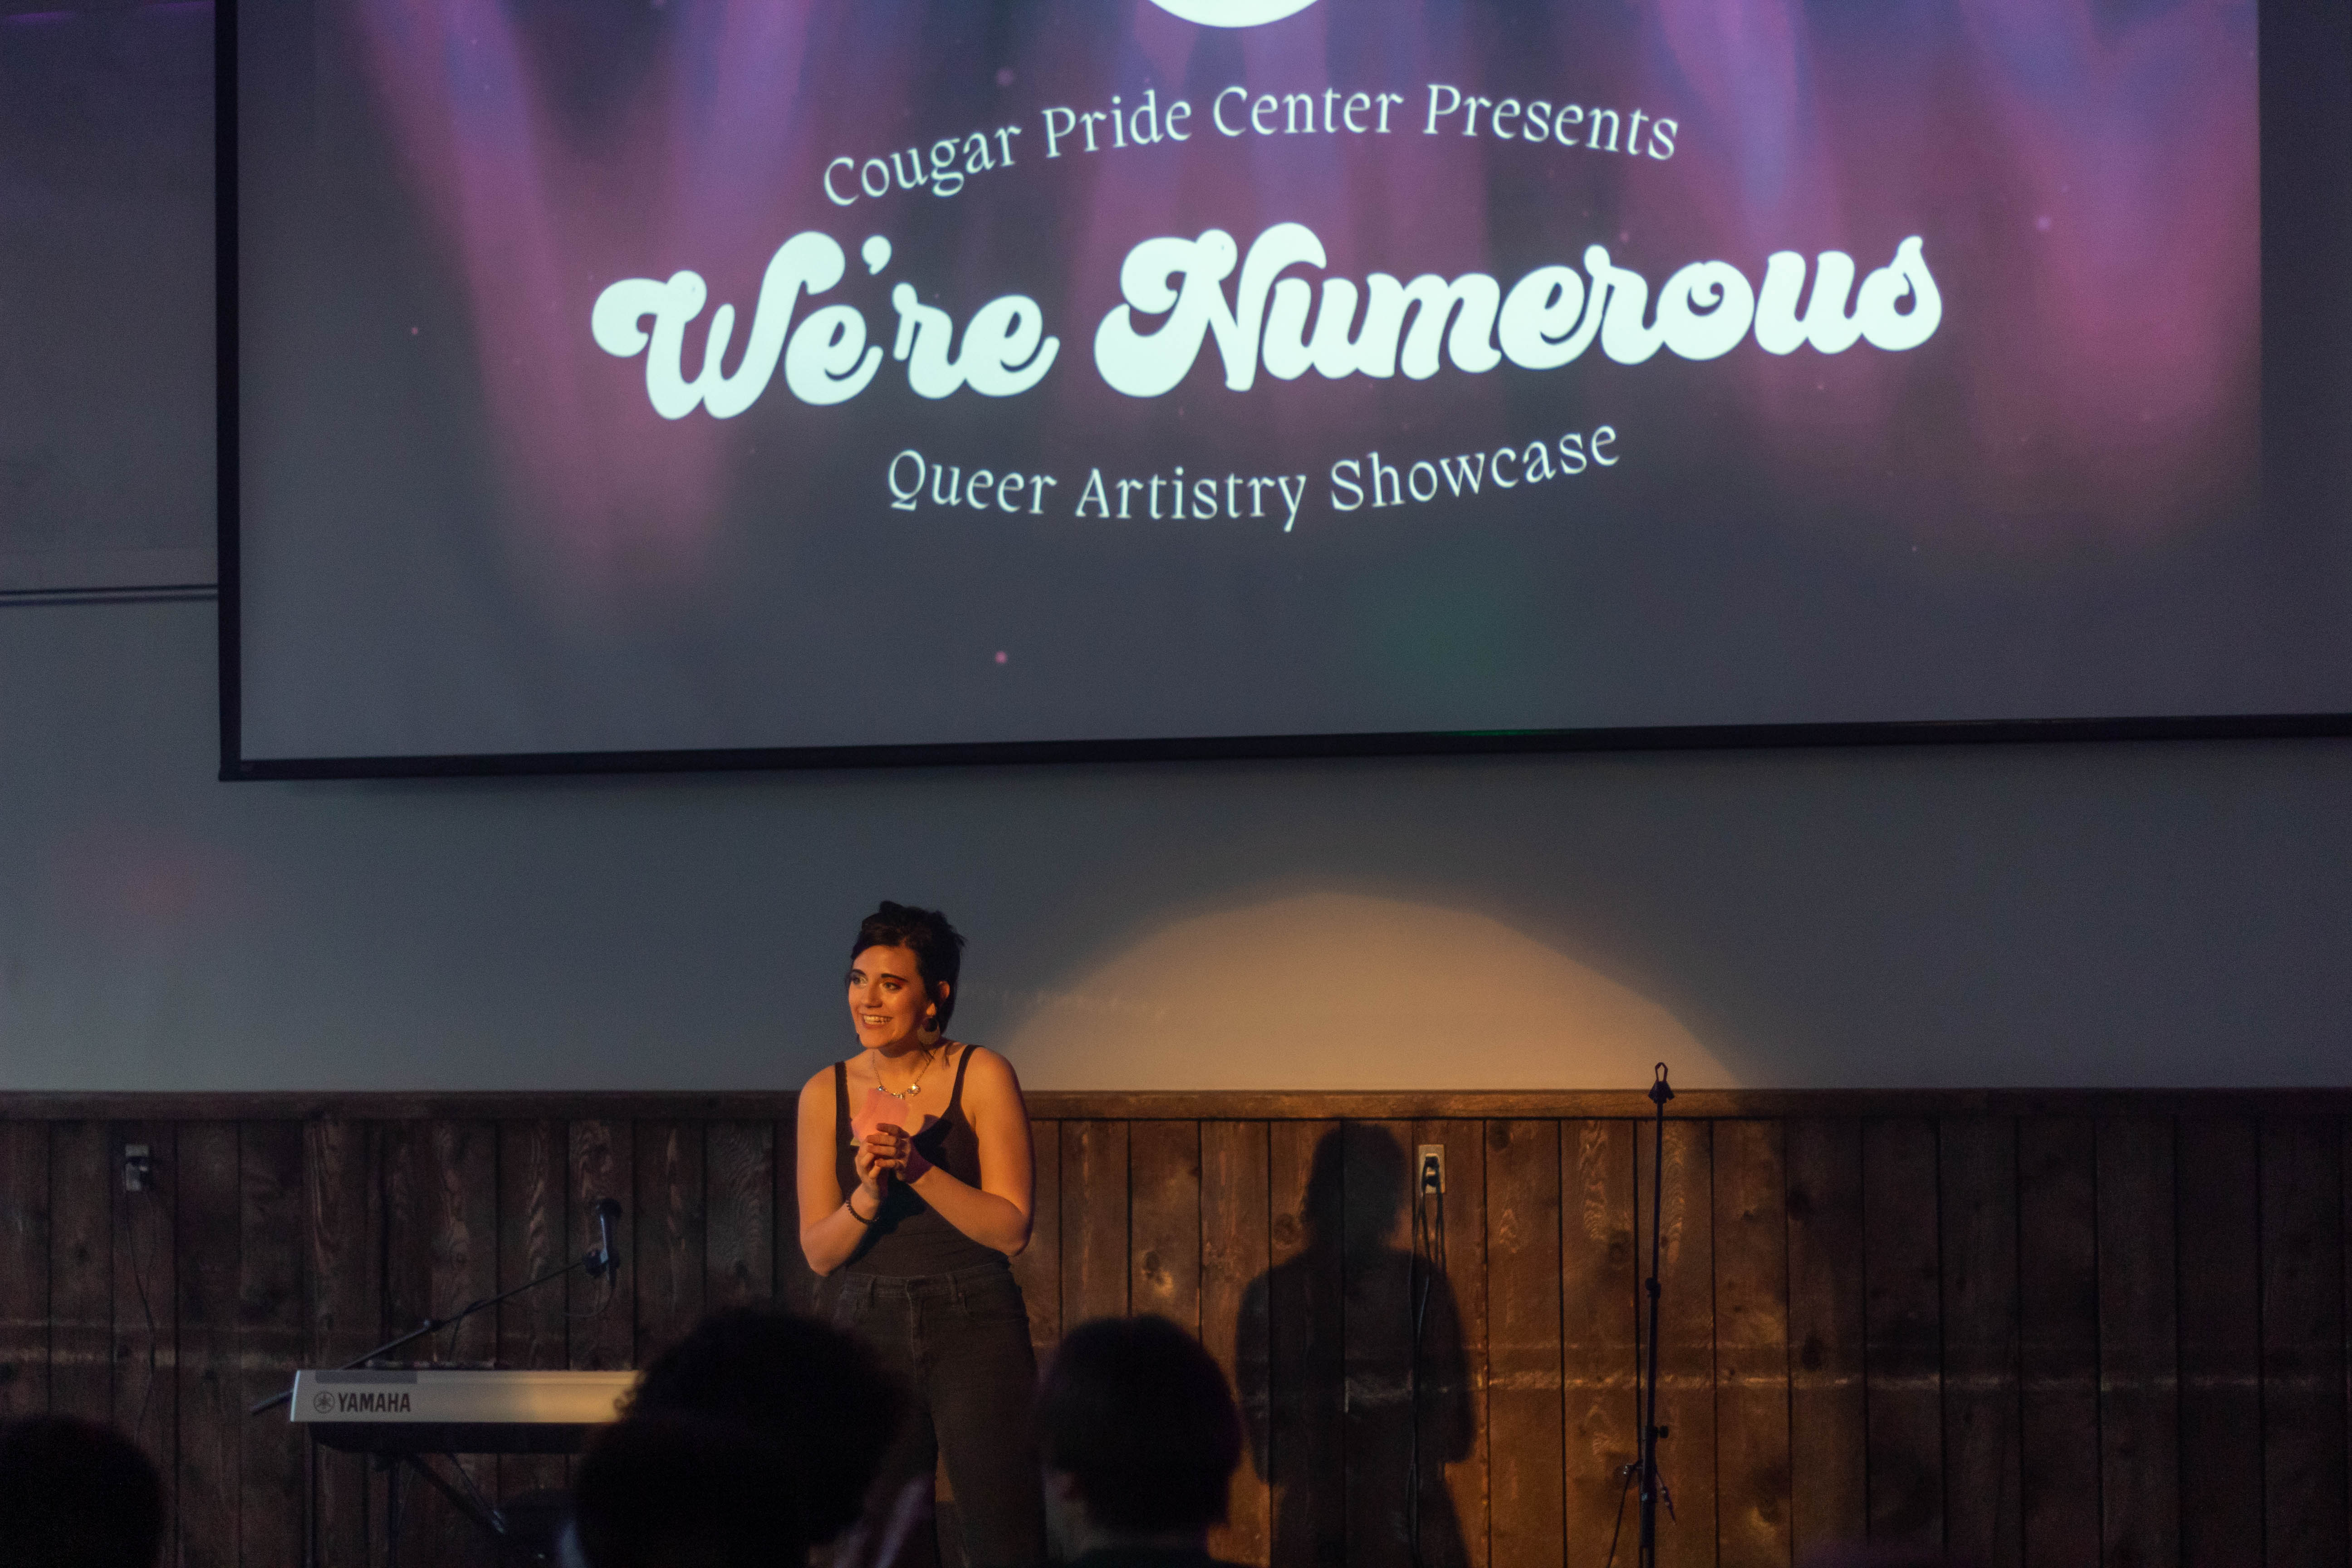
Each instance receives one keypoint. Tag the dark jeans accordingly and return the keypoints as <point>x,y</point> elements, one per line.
<point>960,1342</point>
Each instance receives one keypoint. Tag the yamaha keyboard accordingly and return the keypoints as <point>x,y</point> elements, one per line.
<point>454,1411</point>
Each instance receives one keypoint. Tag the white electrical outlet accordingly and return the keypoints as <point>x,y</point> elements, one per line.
<point>1431,1166</point>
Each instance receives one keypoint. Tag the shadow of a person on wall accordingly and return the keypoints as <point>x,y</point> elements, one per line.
<point>1330,1408</point>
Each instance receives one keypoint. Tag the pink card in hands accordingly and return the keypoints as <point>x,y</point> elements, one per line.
<point>883,1108</point>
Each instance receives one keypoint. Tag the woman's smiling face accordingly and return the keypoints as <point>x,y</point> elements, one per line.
<point>887,1004</point>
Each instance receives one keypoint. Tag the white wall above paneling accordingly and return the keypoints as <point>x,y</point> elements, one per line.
<point>2120,914</point>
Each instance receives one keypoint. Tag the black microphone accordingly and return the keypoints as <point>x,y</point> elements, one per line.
<point>602,1261</point>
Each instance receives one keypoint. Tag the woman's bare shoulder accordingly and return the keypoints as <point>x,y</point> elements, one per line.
<point>819,1086</point>
<point>990,1073</point>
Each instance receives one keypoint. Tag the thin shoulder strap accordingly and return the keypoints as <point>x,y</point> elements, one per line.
<point>840,1101</point>
<point>955,1096</point>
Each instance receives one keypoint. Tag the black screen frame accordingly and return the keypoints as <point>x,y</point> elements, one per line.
<point>2306,118</point>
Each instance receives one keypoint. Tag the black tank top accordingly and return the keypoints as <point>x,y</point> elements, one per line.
<point>909,1236</point>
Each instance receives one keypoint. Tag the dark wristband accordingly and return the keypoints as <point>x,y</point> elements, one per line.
<point>850,1203</point>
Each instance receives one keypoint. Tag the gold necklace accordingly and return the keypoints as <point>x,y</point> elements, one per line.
<point>911,1089</point>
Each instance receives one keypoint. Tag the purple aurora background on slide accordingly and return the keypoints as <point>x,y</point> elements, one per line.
<point>2083,174</point>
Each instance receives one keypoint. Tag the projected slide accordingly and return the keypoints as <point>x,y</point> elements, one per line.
<point>731,376</point>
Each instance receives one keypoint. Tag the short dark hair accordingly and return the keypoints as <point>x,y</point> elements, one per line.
<point>675,1491</point>
<point>1139,1414</point>
<point>938,947</point>
<point>74,1494</point>
<point>818,1398</point>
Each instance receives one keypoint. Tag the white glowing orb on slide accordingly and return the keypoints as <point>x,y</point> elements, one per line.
<point>1233,13</point>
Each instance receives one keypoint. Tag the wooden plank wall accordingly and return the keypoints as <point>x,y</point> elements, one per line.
<point>2091,1330</point>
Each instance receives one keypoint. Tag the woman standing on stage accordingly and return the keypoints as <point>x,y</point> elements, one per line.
<point>915,1190</point>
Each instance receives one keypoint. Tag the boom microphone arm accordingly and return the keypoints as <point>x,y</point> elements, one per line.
<point>598,1263</point>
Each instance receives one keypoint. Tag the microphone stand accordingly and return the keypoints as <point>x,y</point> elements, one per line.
<point>598,1262</point>
<point>1646,1397</point>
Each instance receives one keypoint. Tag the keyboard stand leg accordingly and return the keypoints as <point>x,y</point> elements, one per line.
<point>311,1500</point>
<point>465,1506</point>
<point>391,1512</point>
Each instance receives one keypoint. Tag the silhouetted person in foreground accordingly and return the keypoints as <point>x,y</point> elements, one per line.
<point>1341,1316</point>
<point>751,1441</point>
<point>74,1494</point>
<point>1138,1438</point>
<point>675,1491</point>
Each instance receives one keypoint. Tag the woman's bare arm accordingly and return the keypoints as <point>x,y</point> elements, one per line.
<point>995,1212</point>
<point>830,1229</point>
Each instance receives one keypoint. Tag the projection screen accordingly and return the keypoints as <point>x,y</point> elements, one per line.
<point>718,381</point>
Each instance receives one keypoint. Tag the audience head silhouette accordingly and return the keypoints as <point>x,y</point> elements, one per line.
<point>678,1492</point>
<point>74,1494</point>
<point>1139,1434</point>
<point>754,1438</point>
